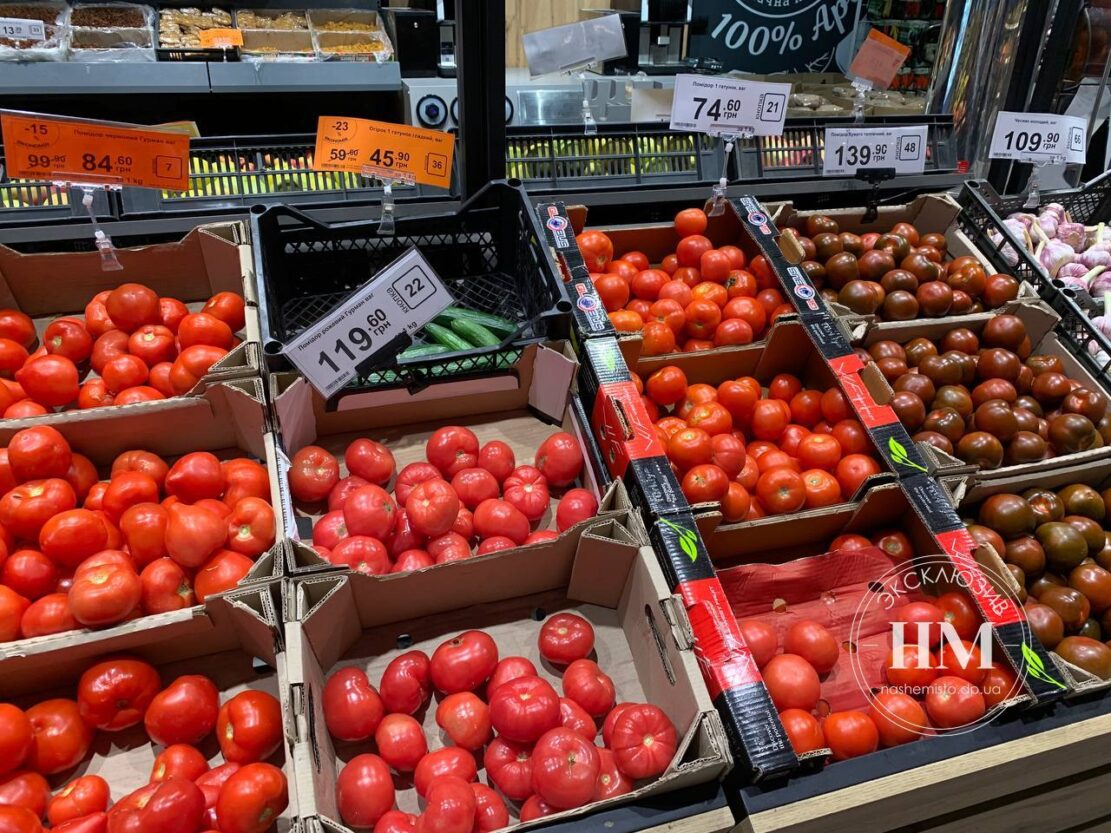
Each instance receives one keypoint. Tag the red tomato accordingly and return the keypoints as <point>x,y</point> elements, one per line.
<point>202,328</point>
<point>611,780</point>
<point>744,308</point>
<point>959,612</point>
<point>352,708</point>
<point>371,511</point>
<point>411,560</point>
<point>222,572</point>
<point>898,717</point>
<point>12,608</point>
<point>527,490</point>
<point>44,616</point>
<point>49,380</point>
<point>400,741</point>
<point>691,248</point>
<point>370,460</point>
<point>249,727</point>
<point>25,509</point>
<point>411,476</point>
<point>193,534</point>
<point>38,453</point>
<point>574,717</point>
<point>792,682</point>
<point>431,507</point>
<point>25,789</point>
<point>178,761</point>
<point>690,221</point>
<point>81,797</point>
<point>769,419</point>
<point>781,490</point>
<point>761,639</point>
<point>244,478</point>
<point>497,458</point>
<point>451,546</point>
<point>17,326</point>
<point>183,712</point>
<point>566,637</point>
<point>965,662</point>
<point>952,702</point>
<point>490,811</point>
<point>560,459</point>
<point>395,821</point>
<point>822,488</point>
<point>131,305</point>
<point>30,574</point>
<point>596,249</point>
<point>565,768</point>
<point>711,417</point>
<point>115,694</point>
<point>171,311</point>
<point>897,545</point>
<point>19,820</point>
<point>16,737</point>
<point>586,684</point>
<point>140,393</point>
<point>812,642</point>
<point>127,489</point>
<point>229,308</point>
<point>451,807</point>
<point>449,761</point>
<point>122,372</point>
<point>451,449</point>
<point>999,685</point>
<point>251,799</point>
<point>575,506</point>
<point>362,554</point>
<point>165,587</point>
<point>851,436</point>
<point>613,290</point>
<point>643,741</point>
<point>312,474</point>
<point>251,527</point>
<point>509,767</point>
<point>714,266</point>
<point>499,517</point>
<point>153,343</point>
<point>524,708</point>
<point>919,614</point>
<point>803,730</point>
<point>465,719</point>
<point>143,526</point>
<point>853,470</point>
<point>61,737</point>
<point>705,482</point>
<point>850,734</point>
<point>819,451</point>
<point>104,594</point>
<point>912,672</point>
<point>647,284</point>
<point>475,485</point>
<point>159,380</point>
<point>196,476</point>
<point>464,662</point>
<point>81,475</point>
<point>191,365</point>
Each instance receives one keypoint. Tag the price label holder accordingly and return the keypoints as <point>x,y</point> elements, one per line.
<point>371,326</point>
<point>392,153</point>
<point>1039,139</point>
<point>729,108</point>
<point>574,46</point>
<point>90,154</point>
<point>17,28</point>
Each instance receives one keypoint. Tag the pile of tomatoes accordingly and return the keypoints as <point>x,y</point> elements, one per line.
<point>130,346</point>
<point>925,691</point>
<point>759,452</point>
<point>465,493</point>
<point>242,795</point>
<point>77,551</point>
<point>539,747</point>
<point>698,298</point>
<point>897,276</point>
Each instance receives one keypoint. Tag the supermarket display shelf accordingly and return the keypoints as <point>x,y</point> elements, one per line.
<point>50,78</point>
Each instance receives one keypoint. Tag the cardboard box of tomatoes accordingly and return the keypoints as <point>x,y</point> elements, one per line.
<point>626,633</point>
<point>179,727</point>
<point>192,504</point>
<point>76,337</point>
<point>1049,527</point>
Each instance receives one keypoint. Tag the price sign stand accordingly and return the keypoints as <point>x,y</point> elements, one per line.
<point>590,126</point>
<point>875,176</point>
<point>1033,188</point>
<point>862,87</point>
<point>717,193</point>
<point>387,226</point>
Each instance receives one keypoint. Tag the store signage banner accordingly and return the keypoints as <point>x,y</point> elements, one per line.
<point>767,36</point>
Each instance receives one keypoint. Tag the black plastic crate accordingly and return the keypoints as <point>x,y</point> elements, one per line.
<point>981,218</point>
<point>491,254</point>
<point>799,152</point>
<point>565,158</point>
<point>236,172</point>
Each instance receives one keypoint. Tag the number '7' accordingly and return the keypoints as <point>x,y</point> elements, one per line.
<point>701,104</point>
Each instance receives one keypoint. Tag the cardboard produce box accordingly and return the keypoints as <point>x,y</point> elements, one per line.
<point>968,491</point>
<point>227,418</point>
<point>927,213</point>
<point>1040,322</point>
<point>522,409</point>
<point>642,640</point>
<point>47,285</point>
<point>233,642</point>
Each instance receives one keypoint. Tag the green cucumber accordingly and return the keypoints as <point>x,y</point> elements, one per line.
<point>490,322</point>
<point>421,351</point>
<point>475,333</point>
<point>444,336</point>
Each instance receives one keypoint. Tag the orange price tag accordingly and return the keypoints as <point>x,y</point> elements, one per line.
<point>387,151</point>
<point>878,60</point>
<point>220,38</point>
<point>93,152</point>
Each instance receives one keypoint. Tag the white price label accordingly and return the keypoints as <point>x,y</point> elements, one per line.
<point>17,28</point>
<point>1040,137</point>
<point>401,298</point>
<point>850,149</point>
<point>710,104</point>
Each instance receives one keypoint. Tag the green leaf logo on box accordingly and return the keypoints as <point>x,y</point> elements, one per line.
<point>1036,668</point>
<point>688,538</point>
<point>899,455</point>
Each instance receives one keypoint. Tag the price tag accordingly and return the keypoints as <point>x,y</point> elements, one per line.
<point>385,150</point>
<point>94,152</point>
<point>849,149</point>
<point>710,104</point>
<point>220,38</point>
<point>19,29</point>
<point>1039,137</point>
<point>401,298</point>
<point>878,60</point>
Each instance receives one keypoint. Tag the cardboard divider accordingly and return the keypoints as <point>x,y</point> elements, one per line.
<point>642,641</point>
<point>236,642</point>
<point>212,258</point>
<point>968,491</point>
<point>227,419</point>
<point>522,410</point>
